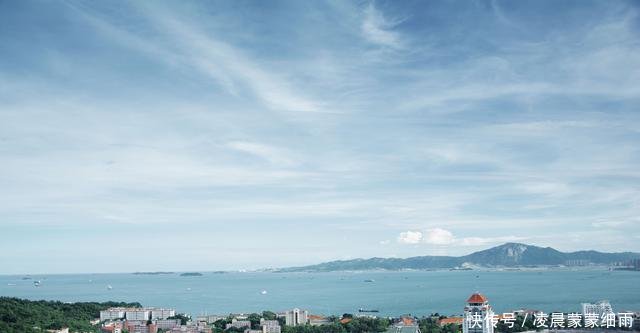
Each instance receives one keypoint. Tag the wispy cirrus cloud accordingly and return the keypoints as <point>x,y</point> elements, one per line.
<point>378,29</point>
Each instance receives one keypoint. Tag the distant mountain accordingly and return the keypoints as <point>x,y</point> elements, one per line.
<point>506,255</point>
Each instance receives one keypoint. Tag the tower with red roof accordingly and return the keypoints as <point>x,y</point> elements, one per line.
<point>477,315</point>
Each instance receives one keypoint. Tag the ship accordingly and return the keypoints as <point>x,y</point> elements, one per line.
<point>366,310</point>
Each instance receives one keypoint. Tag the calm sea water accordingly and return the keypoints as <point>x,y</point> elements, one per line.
<point>393,293</point>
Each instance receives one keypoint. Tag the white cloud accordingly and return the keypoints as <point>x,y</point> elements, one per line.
<point>410,237</point>
<point>438,236</point>
<point>377,29</point>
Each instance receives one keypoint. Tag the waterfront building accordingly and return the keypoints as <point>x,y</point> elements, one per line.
<point>111,314</point>
<point>600,308</point>
<point>477,315</point>
<point>296,317</point>
<point>161,313</point>
<point>635,263</point>
<point>137,314</point>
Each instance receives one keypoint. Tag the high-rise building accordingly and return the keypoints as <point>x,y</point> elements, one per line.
<point>478,315</point>
<point>296,317</point>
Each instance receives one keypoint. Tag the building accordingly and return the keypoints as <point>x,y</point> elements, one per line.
<point>315,320</point>
<point>139,326</point>
<point>112,314</point>
<point>112,327</point>
<point>599,308</point>
<point>296,317</point>
<point>137,314</point>
<point>403,329</point>
<point>477,315</point>
<point>210,319</point>
<point>577,262</point>
<point>270,326</point>
<point>451,320</point>
<point>239,324</point>
<point>161,313</point>
<point>167,324</point>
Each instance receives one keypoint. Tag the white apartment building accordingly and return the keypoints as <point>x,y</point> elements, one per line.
<point>477,315</point>
<point>111,314</point>
<point>162,313</point>
<point>296,317</point>
<point>210,319</point>
<point>137,314</point>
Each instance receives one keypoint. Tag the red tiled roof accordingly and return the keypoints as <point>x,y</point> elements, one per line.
<point>477,298</point>
<point>345,320</point>
<point>452,320</point>
<point>407,321</point>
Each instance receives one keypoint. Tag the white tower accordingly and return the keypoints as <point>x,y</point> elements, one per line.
<point>477,315</point>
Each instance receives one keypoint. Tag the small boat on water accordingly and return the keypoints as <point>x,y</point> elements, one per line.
<point>109,287</point>
<point>369,280</point>
<point>264,292</point>
<point>37,283</point>
<point>365,310</point>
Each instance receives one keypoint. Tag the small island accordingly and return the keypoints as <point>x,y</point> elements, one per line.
<point>191,274</point>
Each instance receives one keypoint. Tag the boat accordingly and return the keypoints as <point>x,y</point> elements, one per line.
<point>36,283</point>
<point>369,280</point>
<point>264,292</point>
<point>365,310</point>
<point>109,287</point>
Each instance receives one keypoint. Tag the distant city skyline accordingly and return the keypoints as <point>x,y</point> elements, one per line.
<point>202,136</point>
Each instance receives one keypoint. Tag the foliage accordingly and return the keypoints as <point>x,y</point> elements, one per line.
<point>23,316</point>
<point>356,325</point>
<point>183,318</point>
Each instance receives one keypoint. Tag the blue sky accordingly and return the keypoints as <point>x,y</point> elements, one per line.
<point>227,135</point>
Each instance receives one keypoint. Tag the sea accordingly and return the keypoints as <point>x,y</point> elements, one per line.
<point>391,293</point>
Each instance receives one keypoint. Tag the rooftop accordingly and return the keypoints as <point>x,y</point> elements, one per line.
<point>477,298</point>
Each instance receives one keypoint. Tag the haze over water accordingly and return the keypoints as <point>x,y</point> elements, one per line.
<point>393,293</point>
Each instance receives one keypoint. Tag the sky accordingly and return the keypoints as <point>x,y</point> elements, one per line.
<point>211,135</point>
